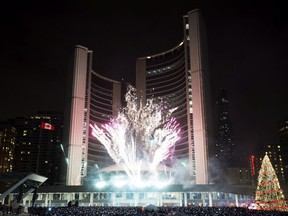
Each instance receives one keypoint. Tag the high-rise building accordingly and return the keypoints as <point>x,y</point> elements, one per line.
<point>38,145</point>
<point>7,144</point>
<point>180,76</point>
<point>238,175</point>
<point>91,99</point>
<point>283,138</point>
<point>224,149</point>
<point>274,152</point>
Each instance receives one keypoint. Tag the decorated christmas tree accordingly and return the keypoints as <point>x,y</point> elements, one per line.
<point>269,195</point>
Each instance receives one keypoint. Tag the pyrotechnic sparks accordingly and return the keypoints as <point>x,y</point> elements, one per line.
<point>140,136</point>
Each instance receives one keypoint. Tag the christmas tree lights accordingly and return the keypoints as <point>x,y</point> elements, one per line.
<point>269,195</point>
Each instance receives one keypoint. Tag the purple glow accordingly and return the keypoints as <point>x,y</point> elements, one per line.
<point>139,137</point>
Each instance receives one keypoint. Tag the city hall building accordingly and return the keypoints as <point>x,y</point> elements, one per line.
<point>179,75</point>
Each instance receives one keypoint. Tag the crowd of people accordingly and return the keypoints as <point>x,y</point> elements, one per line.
<point>157,211</point>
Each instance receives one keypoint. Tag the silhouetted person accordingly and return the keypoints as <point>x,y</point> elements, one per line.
<point>69,204</point>
<point>76,203</point>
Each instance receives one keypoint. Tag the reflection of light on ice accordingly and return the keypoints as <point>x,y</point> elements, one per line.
<point>120,181</point>
<point>140,137</point>
<point>253,206</point>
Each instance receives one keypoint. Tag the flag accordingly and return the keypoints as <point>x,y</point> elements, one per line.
<point>47,126</point>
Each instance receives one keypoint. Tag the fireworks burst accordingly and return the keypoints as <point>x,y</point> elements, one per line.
<point>140,137</point>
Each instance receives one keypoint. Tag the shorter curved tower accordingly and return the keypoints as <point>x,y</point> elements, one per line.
<point>91,98</point>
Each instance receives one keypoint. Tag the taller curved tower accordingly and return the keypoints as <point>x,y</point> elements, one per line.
<point>180,76</point>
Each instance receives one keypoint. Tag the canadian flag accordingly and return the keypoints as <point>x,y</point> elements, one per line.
<point>47,126</point>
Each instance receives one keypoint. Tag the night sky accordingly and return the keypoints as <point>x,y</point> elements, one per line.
<point>247,45</point>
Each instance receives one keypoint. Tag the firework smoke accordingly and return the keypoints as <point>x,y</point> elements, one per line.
<point>140,136</point>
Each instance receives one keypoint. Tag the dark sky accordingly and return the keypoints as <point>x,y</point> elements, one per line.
<point>247,45</point>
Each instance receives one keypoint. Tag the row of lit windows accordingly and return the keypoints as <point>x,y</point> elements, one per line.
<point>165,69</point>
<point>166,80</point>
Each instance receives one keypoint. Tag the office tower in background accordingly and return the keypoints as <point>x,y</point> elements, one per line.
<point>274,153</point>
<point>224,149</point>
<point>283,138</point>
<point>38,145</point>
<point>7,145</point>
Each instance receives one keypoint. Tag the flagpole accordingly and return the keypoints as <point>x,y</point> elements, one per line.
<point>39,145</point>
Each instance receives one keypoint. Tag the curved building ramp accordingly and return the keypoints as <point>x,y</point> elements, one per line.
<point>23,184</point>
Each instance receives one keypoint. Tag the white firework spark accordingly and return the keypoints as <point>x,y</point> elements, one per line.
<point>140,137</point>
